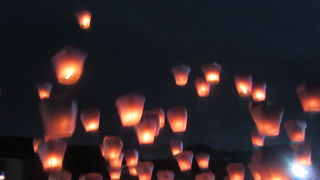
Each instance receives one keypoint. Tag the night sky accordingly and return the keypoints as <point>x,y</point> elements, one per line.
<point>132,46</point>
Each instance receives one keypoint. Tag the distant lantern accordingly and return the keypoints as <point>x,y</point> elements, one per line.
<point>212,72</point>
<point>235,171</point>
<point>90,119</point>
<point>36,142</point>
<point>132,157</point>
<point>133,170</point>
<point>257,139</point>
<point>267,118</point>
<point>184,160</point>
<point>165,175</point>
<point>243,85</point>
<point>181,73</point>
<point>177,118</point>
<point>309,95</point>
<point>302,154</point>
<point>61,175</point>
<point>59,117</point>
<point>68,65</point>
<point>116,163</point>
<point>254,169</point>
<point>146,131</point>
<point>205,176</point>
<point>51,154</point>
<point>259,92</point>
<point>84,19</point>
<point>115,174</point>
<point>44,90</point>
<point>157,112</point>
<point>296,130</point>
<point>91,176</point>
<point>130,109</point>
<point>203,87</point>
<point>203,160</point>
<point>145,170</point>
<point>153,118</point>
<point>176,146</point>
<point>112,147</point>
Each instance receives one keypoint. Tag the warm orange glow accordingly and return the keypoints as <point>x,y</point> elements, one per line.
<point>146,131</point>
<point>257,139</point>
<point>165,175</point>
<point>203,160</point>
<point>153,118</point>
<point>84,19</point>
<point>36,142</point>
<point>177,118</point>
<point>44,90</point>
<point>116,163</point>
<point>203,87</point>
<point>145,170</point>
<point>296,130</point>
<point>90,119</point>
<point>156,112</point>
<point>254,172</point>
<point>133,171</point>
<point>181,73</point>
<point>184,160</point>
<point>243,85</point>
<point>259,92</point>
<point>132,157</point>
<point>205,176</point>
<point>112,146</point>
<point>212,72</point>
<point>91,176</point>
<point>309,95</point>
<point>176,146</point>
<point>115,174</point>
<point>61,175</point>
<point>235,171</point>
<point>302,154</point>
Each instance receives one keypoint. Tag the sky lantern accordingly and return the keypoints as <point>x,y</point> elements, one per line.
<point>243,85</point>
<point>165,175</point>
<point>158,112</point>
<point>267,118</point>
<point>235,171</point>
<point>255,172</point>
<point>116,163</point>
<point>133,170</point>
<point>259,92</point>
<point>154,118</point>
<point>145,170</point>
<point>91,176</point>
<point>205,176</point>
<point>184,160</point>
<point>132,157</point>
<point>177,118</point>
<point>309,95</point>
<point>212,72</point>
<point>203,160</point>
<point>296,130</point>
<point>90,119</point>
<point>59,117</point>
<point>181,73</point>
<point>176,146</point>
<point>84,19</point>
<point>44,90</point>
<point>51,154</point>
<point>130,109</point>
<point>61,175</point>
<point>115,174</point>
<point>36,142</point>
<point>68,65</point>
<point>202,86</point>
<point>257,139</point>
<point>302,154</point>
<point>146,131</point>
<point>112,147</point>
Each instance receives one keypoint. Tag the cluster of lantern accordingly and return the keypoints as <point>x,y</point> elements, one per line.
<point>243,85</point>
<point>90,119</point>
<point>184,160</point>
<point>309,95</point>
<point>44,90</point>
<point>235,171</point>
<point>177,118</point>
<point>296,130</point>
<point>181,74</point>
<point>84,19</point>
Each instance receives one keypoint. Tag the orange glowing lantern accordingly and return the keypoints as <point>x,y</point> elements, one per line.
<point>145,170</point>
<point>130,109</point>
<point>90,119</point>
<point>203,160</point>
<point>181,73</point>
<point>259,92</point>
<point>133,171</point>
<point>68,65</point>
<point>116,163</point>
<point>309,95</point>
<point>91,176</point>
<point>177,118</point>
<point>274,172</point>
<point>157,112</point>
<point>62,175</point>
<point>44,90</point>
<point>205,176</point>
<point>115,174</point>
<point>203,87</point>
<point>212,72</point>
<point>235,171</point>
<point>154,118</point>
<point>146,131</point>
<point>176,146</point>
<point>132,157</point>
<point>243,85</point>
<point>254,169</point>
<point>165,175</point>
<point>257,139</point>
<point>112,146</point>
<point>36,142</point>
<point>84,19</point>
<point>296,130</point>
<point>184,160</point>
<point>302,154</point>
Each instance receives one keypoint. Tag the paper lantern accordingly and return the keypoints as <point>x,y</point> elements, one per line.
<point>243,85</point>
<point>84,19</point>
<point>257,139</point>
<point>112,147</point>
<point>184,160</point>
<point>91,176</point>
<point>68,65</point>
<point>203,160</point>
<point>203,87</point>
<point>176,146</point>
<point>130,109</point>
<point>235,171</point>
<point>212,72</point>
<point>259,92</point>
<point>154,118</point>
<point>146,131</point>
<point>44,90</point>
<point>51,154</point>
<point>267,118</point>
<point>62,175</point>
<point>177,118</point>
<point>36,142</point>
<point>58,116</point>
<point>296,130</point>
<point>115,174</point>
<point>205,176</point>
<point>165,175</point>
<point>132,157</point>
<point>133,171</point>
<point>156,112</point>
<point>302,154</point>
<point>90,119</point>
<point>181,73</point>
<point>116,163</point>
<point>255,172</point>
<point>309,95</point>
<point>145,170</point>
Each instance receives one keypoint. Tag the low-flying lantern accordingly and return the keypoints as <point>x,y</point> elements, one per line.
<point>156,112</point>
<point>184,160</point>
<point>302,154</point>
<point>130,109</point>
<point>61,175</point>
<point>176,146</point>
<point>259,92</point>
<point>133,170</point>
<point>177,118</point>
<point>243,85</point>
<point>90,119</point>
<point>115,174</point>
<point>112,147</point>
<point>146,131</point>
<point>296,130</point>
<point>145,170</point>
<point>84,19</point>
<point>165,175</point>
<point>202,86</point>
<point>132,157</point>
<point>257,139</point>
<point>116,163</point>
<point>91,176</point>
<point>309,95</point>
<point>36,142</point>
<point>212,72</point>
<point>205,176</point>
<point>44,90</point>
<point>235,171</point>
<point>203,160</point>
<point>181,73</point>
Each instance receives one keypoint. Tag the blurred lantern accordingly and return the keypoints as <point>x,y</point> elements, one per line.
<point>309,95</point>
<point>235,171</point>
<point>203,160</point>
<point>153,118</point>
<point>84,19</point>
<point>51,154</point>
<point>176,146</point>
<point>91,176</point>
<point>205,176</point>
<point>90,119</point>
<point>243,85</point>
<point>130,109</point>
<point>257,139</point>
<point>132,157</point>
<point>68,65</point>
<point>44,90</point>
<point>202,86</point>
<point>181,73</point>
<point>296,130</point>
<point>145,170</point>
<point>112,146</point>
<point>36,142</point>
<point>157,112</point>
<point>255,172</point>
<point>302,154</point>
<point>133,171</point>
<point>177,118</point>
<point>146,131</point>
<point>115,174</point>
<point>62,175</point>
<point>116,163</point>
<point>184,160</point>
<point>259,92</point>
<point>267,118</point>
<point>165,175</point>
<point>212,72</point>
<point>58,116</point>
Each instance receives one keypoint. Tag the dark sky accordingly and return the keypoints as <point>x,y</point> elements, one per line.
<point>132,46</point>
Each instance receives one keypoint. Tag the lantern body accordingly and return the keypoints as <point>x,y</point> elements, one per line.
<point>309,95</point>
<point>91,176</point>
<point>115,174</point>
<point>203,160</point>
<point>130,109</point>
<point>259,92</point>
<point>176,146</point>
<point>84,19</point>
<point>177,118</point>
<point>243,85</point>
<point>44,90</point>
<point>36,142</point>
<point>156,112</point>
<point>212,72</point>
<point>184,160</point>
<point>255,172</point>
<point>133,171</point>
<point>181,73</point>
<point>203,87</point>
<point>205,176</point>
<point>116,163</point>
<point>302,154</point>
<point>165,175</point>
<point>235,171</point>
<point>154,118</point>
<point>132,157</point>
<point>257,139</point>
<point>62,175</point>
<point>146,131</point>
<point>90,119</point>
<point>112,146</point>
<point>145,170</point>
<point>296,130</point>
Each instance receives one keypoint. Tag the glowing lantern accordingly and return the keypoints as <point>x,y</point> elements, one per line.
<point>181,73</point>
<point>184,160</point>
<point>205,176</point>
<point>153,118</point>
<point>130,109</point>
<point>255,172</point>
<point>309,95</point>
<point>243,85</point>
<point>259,92</point>
<point>235,171</point>
<point>203,87</point>
<point>116,163</point>
<point>84,19</point>
<point>91,176</point>
<point>146,131</point>
<point>296,130</point>
<point>68,65</point>
<point>36,142</point>
<point>212,72</point>
<point>115,174</point>
<point>51,154</point>
<point>132,157</point>
<point>58,117</point>
<point>90,119</point>
<point>133,171</point>
<point>44,90</point>
<point>177,118</point>
<point>165,175</point>
<point>302,154</point>
<point>176,146</point>
<point>257,139</point>
<point>62,175</point>
<point>112,146</point>
<point>203,160</point>
<point>157,112</point>
<point>266,117</point>
<point>145,170</point>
